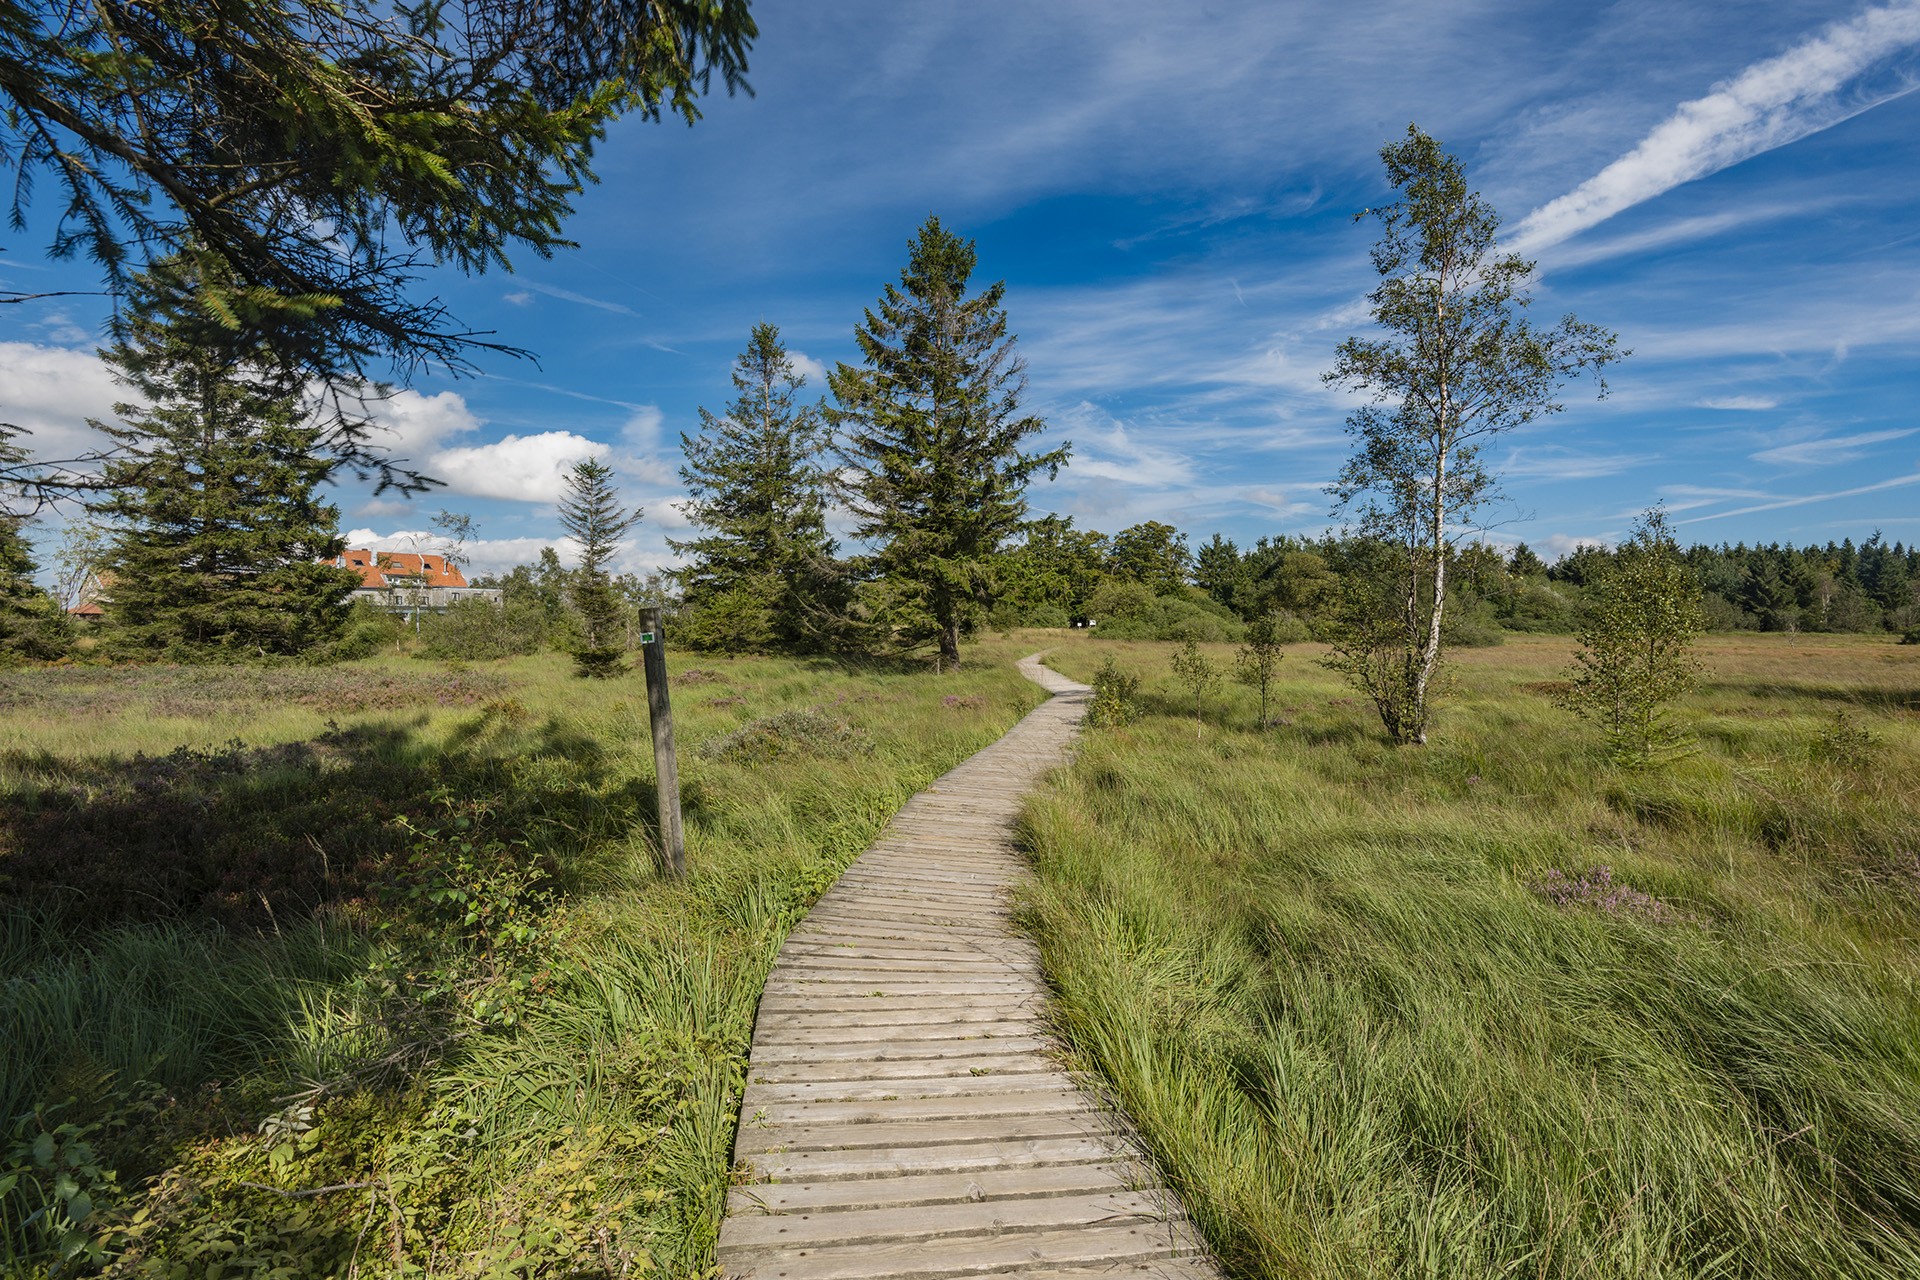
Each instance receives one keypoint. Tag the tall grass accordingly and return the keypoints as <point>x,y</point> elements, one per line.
<point>229,1056</point>
<point>1370,1033</point>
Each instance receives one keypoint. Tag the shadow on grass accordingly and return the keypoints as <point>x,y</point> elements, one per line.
<point>1878,697</point>
<point>254,838</point>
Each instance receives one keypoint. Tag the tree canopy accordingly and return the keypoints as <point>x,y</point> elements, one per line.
<point>328,152</point>
<point>217,531</point>
<point>931,440</point>
<point>763,573</point>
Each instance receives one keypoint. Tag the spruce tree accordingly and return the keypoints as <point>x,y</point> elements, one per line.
<point>218,533</point>
<point>931,434</point>
<point>31,625</point>
<point>763,574</point>
<point>592,516</point>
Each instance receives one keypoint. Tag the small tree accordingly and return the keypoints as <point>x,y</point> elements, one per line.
<point>1198,672</point>
<point>218,528</point>
<point>1457,365</point>
<point>763,573</point>
<point>1259,658</point>
<point>1114,694</point>
<point>1642,618</point>
<point>592,516</point>
<point>931,435</point>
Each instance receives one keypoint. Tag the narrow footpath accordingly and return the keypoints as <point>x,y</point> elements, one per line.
<point>907,1113</point>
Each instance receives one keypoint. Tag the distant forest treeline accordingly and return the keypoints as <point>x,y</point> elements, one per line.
<point>1146,581</point>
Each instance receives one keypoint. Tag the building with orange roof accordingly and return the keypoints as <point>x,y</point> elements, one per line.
<point>408,582</point>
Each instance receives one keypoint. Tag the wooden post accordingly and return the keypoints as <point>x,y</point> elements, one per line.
<point>666,770</point>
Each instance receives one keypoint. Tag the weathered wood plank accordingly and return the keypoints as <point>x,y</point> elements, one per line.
<point>930,1188</point>
<point>971,1256</point>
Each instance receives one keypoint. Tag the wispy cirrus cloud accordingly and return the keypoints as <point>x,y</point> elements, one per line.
<point>1806,499</point>
<point>1822,451</point>
<point>1739,404</point>
<point>1812,86</point>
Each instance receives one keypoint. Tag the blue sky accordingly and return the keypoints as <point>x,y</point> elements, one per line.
<point>1168,191</point>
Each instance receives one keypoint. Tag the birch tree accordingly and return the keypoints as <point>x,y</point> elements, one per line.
<point>1454,364</point>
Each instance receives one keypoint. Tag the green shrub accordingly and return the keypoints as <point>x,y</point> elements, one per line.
<point>1114,696</point>
<point>474,630</point>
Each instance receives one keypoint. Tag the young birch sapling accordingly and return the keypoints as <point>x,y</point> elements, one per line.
<point>1197,671</point>
<point>1259,658</point>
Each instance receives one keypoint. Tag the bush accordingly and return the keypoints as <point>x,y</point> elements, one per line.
<point>473,630</point>
<point>1114,692</point>
<point>367,631</point>
<point>809,731</point>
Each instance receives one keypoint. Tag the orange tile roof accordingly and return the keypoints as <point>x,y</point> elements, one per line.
<point>380,569</point>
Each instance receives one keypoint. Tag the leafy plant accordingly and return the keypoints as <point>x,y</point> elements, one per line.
<point>1643,616</point>
<point>1259,659</point>
<point>1197,671</point>
<point>1844,742</point>
<point>1114,696</point>
<point>54,1194</point>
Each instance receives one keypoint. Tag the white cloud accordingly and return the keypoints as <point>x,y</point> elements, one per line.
<point>1802,500</point>
<point>51,392</point>
<point>412,424</point>
<point>1827,450</point>
<point>1552,462</point>
<point>568,295</point>
<point>1749,404</point>
<point>1555,545</point>
<point>807,367</point>
<point>1770,104</point>
<point>519,298</point>
<point>521,468</point>
<point>642,428</point>
<point>1104,448</point>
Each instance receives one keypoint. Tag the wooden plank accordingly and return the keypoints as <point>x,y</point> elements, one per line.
<point>910,1033</point>
<point>891,1069</point>
<point>761,1137</point>
<point>929,1188</point>
<point>980,1106</point>
<point>878,1051</point>
<point>982,1255</point>
<point>812,1166</point>
<point>935,1087</point>
<point>928,1223</point>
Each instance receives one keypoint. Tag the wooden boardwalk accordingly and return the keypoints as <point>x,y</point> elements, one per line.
<point>907,1114</point>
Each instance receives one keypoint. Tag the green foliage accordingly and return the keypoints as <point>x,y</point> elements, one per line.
<point>1054,567</point>
<point>1643,616</point>
<point>1153,554</point>
<point>56,1196</point>
<point>464,919</point>
<point>592,516</point>
<point>1198,673</point>
<point>217,527</point>
<point>405,135</point>
<point>1459,366</point>
<point>1842,740</point>
<point>32,627</point>
<point>930,442</point>
<point>473,630</point>
<point>1332,985</point>
<point>1115,696</point>
<point>807,731</point>
<point>764,574</point>
<point>1258,661</point>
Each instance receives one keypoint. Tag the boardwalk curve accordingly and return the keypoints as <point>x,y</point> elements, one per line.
<point>907,1113</point>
